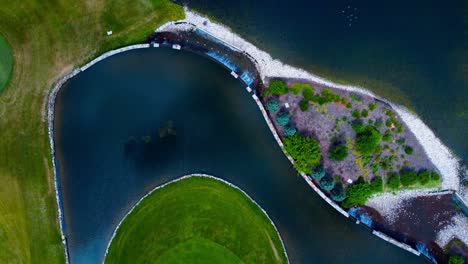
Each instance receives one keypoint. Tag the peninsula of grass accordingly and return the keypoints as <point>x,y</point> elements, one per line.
<point>196,220</point>
<point>49,39</point>
<point>6,65</point>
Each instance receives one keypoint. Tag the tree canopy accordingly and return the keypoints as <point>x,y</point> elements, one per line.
<point>304,150</point>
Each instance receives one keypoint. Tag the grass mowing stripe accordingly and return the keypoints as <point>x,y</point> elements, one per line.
<point>6,63</point>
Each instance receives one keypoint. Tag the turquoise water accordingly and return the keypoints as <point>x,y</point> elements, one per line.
<point>413,52</point>
<point>142,118</point>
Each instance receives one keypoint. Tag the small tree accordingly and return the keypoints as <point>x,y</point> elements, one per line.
<point>338,153</point>
<point>337,194</point>
<point>282,118</point>
<point>376,185</point>
<point>327,183</point>
<point>356,114</point>
<point>393,181</point>
<point>289,131</point>
<point>435,177</point>
<point>318,173</point>
<point>304,150</point>
<point>272,106</point>
<point>408,177</point>
<point>368,140</point>
<point>372,106</point>
<point>424,177</point>
<point>278,87</point>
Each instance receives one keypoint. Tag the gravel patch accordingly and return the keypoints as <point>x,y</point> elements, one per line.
<point>457,228</point>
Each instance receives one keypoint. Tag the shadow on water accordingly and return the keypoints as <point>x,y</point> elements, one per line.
<point>115,143</point>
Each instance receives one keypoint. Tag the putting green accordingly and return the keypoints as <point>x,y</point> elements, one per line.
<point>6,63</point>
<point>196,220</point>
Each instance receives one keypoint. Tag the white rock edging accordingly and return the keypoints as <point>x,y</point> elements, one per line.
<point>396,243</point>
<point>445,161</point>
<point>186,177</point>
<point>50,120</point>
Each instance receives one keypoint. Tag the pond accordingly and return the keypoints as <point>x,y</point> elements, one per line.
<point>145,117</point>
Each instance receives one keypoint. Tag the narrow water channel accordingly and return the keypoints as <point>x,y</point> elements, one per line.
<point>142,118</point>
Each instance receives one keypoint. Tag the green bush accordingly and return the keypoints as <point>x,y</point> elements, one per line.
<point>282,118</point>
<point>393,181</point>
<point>358,193</point>
<point>338,153</point>
<point>308,93</point>
<point>289,131</point>
<point>272,106</point>
<point>266,92</point>
<point>349,105</point>
<point>355,114</point>
<point>278,87</point>
<point>338,194</point>
<point>408,150</point>
<point>372,106</point>
<point>378,123</point>
<point>376,185</point>
<point>401,141</point>
<point>408,177</point>
<point>303,105</point>
<point>358,126</point>
<point>435,177</point>
<point>318,173</point>
<point>327,183</point>
<point>304,150</point>
<point>387,137</point>
<point>424,177</point>
<point>368,140</point>
<point>364,113</point>
<point>454,259</point>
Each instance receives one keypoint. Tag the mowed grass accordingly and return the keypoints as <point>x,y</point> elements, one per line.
<point>196,220</point>
<point>6,62</point>
<point>48,39</point>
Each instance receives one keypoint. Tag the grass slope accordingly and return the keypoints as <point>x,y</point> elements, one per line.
<point>48,39</point>
<point>196,220</point>
<point>6,62</point>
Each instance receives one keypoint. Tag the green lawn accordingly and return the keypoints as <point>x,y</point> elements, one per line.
<point>196,220</point>
<point>6,62</point>
<point>48,39</point>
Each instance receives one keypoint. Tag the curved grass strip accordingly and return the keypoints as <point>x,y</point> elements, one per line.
<point>196,220</point>
<point>6,63</point>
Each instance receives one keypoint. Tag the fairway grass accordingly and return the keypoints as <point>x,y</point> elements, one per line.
<point>48,39</point>
<point>196,220</point>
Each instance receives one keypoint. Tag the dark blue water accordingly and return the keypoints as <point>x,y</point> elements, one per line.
<point>413,52</point>
<point>107,164</point>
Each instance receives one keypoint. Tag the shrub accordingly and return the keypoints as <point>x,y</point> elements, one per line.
<point>296,88</point>
<point>338,153</point>
<point>368,140</point>
<point>358,126</point>
<point>327,183</point>
<point>401,141</point>
<point>357,193</point>
<point>349,105</point>
<point>376,185</point>
<point>308,93</point>
<point>365,113</point>
<point>338,194</point>
<point>424,177</point>
<point>289,131</point>
<point>266,92</point>
<point>356,114</point>
<point>372,106</point>
<point>282,118</point>
<point>318,173</point>
<point>387,137</point>
<point>272,106</point>
<point>435,177</point>
<point>408,177</point>
<point>408,150</point>
<point>454,259</point>
<point>388,123</point>
<point>278,87</point>
<point>303,105</point>
<point>304,150</point>
<point>378,123</point>
<point>393,181</point>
